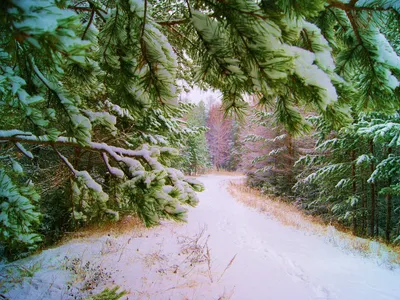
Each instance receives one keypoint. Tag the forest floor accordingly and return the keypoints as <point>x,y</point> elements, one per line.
<point>226,250</point>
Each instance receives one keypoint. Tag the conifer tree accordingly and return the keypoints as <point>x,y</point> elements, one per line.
<point>93,85</point>
<point>195,157</point>
<point>82,79</point>
<point>273,168</point>
<point>355,175</point>
<point>219,136</point>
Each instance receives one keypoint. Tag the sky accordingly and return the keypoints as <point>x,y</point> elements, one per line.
<point>196,95</point>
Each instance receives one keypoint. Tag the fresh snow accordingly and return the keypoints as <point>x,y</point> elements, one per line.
<point>312,75</point>
<point>322,49</point>
<point>245,254</point>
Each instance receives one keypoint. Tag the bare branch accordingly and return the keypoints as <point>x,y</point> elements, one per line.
<point>65,160</point>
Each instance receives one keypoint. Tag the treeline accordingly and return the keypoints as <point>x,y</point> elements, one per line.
<point>216,145</point>
<point>350,176</point>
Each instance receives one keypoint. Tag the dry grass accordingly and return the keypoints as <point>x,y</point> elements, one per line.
<point>196,251</point>
<point>290,215</point>
<point>224,172</point>
<point>285,212</point>
<point>124,225</point>
<point>227,295</point>
<point>228,266</point>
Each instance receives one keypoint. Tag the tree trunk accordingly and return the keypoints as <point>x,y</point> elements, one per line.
<point>377,214</point>
<point>388,206</point>
<point>354,189</point>
<point>290,160</point>
<point>365,207</point>
<point>373,201</point>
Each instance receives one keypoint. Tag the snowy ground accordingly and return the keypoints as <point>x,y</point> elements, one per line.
<point>225,251</point>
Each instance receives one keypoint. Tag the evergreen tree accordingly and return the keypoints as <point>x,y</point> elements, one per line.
<point>93,85</point>
<point>219,136</point>
<point>195,157</point>
<point>236,146</point>
<point>273,168</point>
<point>101,102</point>
<point>354,175</point>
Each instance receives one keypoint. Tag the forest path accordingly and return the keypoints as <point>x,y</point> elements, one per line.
<point>225,251</point>
<point>274,261</point>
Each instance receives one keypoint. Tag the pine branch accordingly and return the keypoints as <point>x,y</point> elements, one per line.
<point>337,19</point>
<point>351,6</point>
<point>189,9</point>
<point>89,23</point>
<point>182,36</point>
<point>79,8</point>
<point>345,63</point>
<point>92,7</point>
<point>144,20</point>
<point>252,14</point>
<point>65,160</point>
<point>360,40</point>
<point>111,35</point>
<point>28,138</point>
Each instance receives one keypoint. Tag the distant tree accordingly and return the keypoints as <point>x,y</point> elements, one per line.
<point>219,136</point>
<point>195,157</point>
<point>274,152</point>
<point>235,146</point>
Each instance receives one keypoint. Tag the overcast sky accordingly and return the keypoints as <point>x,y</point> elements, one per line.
<point>196,95</point>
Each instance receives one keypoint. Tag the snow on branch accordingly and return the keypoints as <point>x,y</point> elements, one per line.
<point>120,155</point>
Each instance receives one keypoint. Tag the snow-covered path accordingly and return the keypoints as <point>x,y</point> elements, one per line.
<point>268,260</point>
<point>279,262</point>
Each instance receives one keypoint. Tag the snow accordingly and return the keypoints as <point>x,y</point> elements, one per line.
<point>88,181</point>
<point>371,3</point>
<point>17,167</point>
<point>122,112</point>
<point>386,53</point>
<point>114,171</point>
<point>245,254</point>
<point>41,16</point>
<point>104,118</point>
<point>321,47</point>
<point>312,75</point>
<point>13,132</point>
<point>137,7</point>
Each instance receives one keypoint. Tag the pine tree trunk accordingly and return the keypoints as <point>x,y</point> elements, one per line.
<point>290,160</point>
<point>365,207</point>
<point>373,201</point>
<point>388,207</point>
<point>354,188</point>
<point>75,163</point>
<point>388,214</point>
<point>377,216</point>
